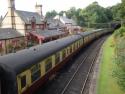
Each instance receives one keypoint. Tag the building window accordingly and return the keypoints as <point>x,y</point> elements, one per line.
<point>57,58</point>
<point>48,64</point>
<point>35,72</point>
<point>23,82</point>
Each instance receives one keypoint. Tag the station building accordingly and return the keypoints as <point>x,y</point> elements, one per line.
<point>30,27</point>
<point>70,24</point>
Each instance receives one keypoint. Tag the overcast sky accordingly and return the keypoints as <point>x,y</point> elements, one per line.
<point>58,5</point>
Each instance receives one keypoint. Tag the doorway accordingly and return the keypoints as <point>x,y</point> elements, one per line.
<point>0,87</point>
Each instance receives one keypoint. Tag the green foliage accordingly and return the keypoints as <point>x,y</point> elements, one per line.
<point>107,83</point>
<point>116,11</point>
<point>119,71</point>
<point>61,13</point>
<point>97,14</point>
<point>10,47</point>
<point>93,14</point>
<point>119,11</point>
<point>120,32</point>
<point>51,14</point>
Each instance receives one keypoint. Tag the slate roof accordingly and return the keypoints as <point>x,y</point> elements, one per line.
<point>47,33</point>
<point>65,20</point>
<point>8,33</point>
<point>54,23</point>
<point>27,16</point>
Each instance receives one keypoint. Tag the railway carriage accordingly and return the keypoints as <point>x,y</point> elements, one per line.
<point>25,71</point>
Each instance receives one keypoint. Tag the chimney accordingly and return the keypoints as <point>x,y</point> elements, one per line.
<point>39,9</point>
<point>11,9</point>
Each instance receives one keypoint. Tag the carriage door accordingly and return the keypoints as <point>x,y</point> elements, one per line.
<point>3,87</point>
<point>0,87</point>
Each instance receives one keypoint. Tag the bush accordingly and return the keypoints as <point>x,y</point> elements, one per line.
<point>119,72</point>
<point>120,32</point>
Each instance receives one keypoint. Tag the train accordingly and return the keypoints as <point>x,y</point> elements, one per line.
<point>25,71</point>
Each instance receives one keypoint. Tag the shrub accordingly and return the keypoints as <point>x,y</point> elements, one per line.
<point>119,72</point>
<point>120,32</point>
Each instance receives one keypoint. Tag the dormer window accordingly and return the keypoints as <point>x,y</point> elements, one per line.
<point>33,23</point>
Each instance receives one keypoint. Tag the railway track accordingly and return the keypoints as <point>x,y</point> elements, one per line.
<point>77,83</point>
<point>74,79</point>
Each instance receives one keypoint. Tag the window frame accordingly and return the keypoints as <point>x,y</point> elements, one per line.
<point>28,80</point>
<point>64,54</point>
<point>57,60</point>
<point>47,69</point>
<point>35,71</point>
<point>21,78</point>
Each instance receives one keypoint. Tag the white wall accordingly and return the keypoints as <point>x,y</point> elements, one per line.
<point>20,26</point>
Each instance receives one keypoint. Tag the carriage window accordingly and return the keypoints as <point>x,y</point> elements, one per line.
<point>64,54</point>
<point>23,81</point>
<point>57,58</point>
<point>86,39</point>
<point>68,50</point>
<point>48,64</point>
<point>76,45</point>
<point>81,41</point>
<point>71,49</point>
<point>35,72</point>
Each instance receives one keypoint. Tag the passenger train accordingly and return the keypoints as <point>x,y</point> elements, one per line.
<point>25,71</point>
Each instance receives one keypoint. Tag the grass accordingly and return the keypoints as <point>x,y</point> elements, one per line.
<point>106,83</point>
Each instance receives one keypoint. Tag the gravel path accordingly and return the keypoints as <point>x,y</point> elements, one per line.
<point>94,79</point>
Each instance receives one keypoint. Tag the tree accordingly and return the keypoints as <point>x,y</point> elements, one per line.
<point>61,13</point>
<point>80,17</point>
<point>71,12</point>
<point>77,15</point>
<point>51,14</point>
<point>96,13</point>
<point>118,11</point>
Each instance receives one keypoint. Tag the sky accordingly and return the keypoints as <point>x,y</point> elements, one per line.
<point>58,5</point>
